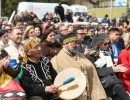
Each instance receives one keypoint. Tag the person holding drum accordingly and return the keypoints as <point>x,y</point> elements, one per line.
<point>38,73</point>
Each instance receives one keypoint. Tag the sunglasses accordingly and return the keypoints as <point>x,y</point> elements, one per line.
<point>105,44</point>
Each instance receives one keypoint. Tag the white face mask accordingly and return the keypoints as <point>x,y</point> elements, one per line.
<point>71,50</point>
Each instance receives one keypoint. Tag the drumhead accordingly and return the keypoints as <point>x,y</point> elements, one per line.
<point>73,89</point>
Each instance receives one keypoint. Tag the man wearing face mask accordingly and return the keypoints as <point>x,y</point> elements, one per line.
<point>69,57</point>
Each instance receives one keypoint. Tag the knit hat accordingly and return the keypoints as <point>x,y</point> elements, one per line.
<point>97,39</point>
<point>28,43</point>
<point>71,37</point>
<point>2,32</point>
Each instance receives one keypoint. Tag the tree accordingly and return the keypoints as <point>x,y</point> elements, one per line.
<point>8,6</point>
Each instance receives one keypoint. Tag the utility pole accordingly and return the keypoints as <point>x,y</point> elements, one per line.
<point>127,5</point>
<point>111,10</point>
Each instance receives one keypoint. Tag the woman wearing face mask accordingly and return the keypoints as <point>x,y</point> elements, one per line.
<point>100,54</point>
<point>50,47</point>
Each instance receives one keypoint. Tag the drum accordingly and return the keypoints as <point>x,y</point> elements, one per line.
<point>73,89</point>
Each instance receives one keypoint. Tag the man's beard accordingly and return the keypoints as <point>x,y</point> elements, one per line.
<point>73,51</point>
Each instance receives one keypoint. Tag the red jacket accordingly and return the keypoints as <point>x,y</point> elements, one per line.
<point>124,58</point>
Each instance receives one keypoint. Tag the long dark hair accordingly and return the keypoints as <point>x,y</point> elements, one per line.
<point>40,30</point>
<point>46,33</point>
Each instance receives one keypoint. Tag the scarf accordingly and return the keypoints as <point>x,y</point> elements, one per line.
<point>104,59</point>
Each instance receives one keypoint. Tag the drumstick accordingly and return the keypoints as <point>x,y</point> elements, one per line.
<point>67,81</point>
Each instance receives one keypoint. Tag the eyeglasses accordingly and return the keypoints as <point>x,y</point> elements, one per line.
<point>105,44</point>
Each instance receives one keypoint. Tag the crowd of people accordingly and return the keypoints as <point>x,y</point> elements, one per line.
<point>33,52</point>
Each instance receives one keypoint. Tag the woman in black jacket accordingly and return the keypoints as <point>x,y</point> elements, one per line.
<point>101,56</point>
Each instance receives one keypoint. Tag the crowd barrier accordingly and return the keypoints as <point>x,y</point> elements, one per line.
<point>86,23</point>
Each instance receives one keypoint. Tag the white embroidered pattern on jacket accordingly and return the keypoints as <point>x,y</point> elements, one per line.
<point>30,68</point>
<point>45,62</point>
<point>45,68</point>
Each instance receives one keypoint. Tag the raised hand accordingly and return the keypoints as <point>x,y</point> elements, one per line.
<point>86,51</point>
<point>5,62</point>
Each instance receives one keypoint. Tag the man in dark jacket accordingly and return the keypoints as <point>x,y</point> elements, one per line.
<point>60,10</point>
<point>117,42</point>
<point>83,45</point>
<point>63,31</point>
<point>38,73</point>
